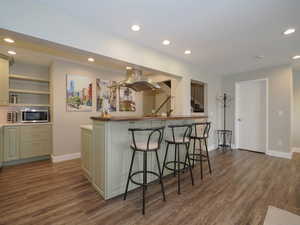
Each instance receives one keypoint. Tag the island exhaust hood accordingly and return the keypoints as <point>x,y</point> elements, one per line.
<point>136,81</point>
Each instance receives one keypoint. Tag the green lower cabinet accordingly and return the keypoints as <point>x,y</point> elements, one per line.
<point>34,148</point>
<point>11,143</point>
<point>1,146</point>
<point>35,141</point>
<point>21,142</point>
<point>86,151</point>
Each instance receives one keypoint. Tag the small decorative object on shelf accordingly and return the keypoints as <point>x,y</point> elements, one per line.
<point>13,99</point>
<point>224,136</point>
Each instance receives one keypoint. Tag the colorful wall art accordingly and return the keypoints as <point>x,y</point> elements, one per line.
<point>79,93</point>
<point>106,93</point>
<point>127,99</point>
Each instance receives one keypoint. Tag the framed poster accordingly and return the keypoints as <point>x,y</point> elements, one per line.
<point>79,93</point>
<point>106,94</point>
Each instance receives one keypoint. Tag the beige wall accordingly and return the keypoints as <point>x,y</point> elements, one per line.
<point>296,115</point>
<point>280,103</point>
<point>66,131</point>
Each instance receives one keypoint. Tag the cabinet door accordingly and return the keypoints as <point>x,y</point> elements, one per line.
<point>11,143</point>
<point>34,148</point>
<point>35,133</point>
<point>4,84</point>
<point>98,158</point>
<point>1,146</point>
<point>36,140</point>
<point>86,151</point>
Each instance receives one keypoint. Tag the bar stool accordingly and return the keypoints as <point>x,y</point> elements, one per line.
<point>204,128</point>
<point>178,141</point>
<point>152,145</point>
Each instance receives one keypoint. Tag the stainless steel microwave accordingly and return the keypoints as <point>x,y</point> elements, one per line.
<point>34,116</point>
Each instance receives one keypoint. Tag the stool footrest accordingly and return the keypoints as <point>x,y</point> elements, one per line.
<point>141,172</point>
<point>186,165</point>
<point>195,158</point>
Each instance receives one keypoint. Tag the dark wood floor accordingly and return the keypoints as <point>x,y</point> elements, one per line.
<point>242,187</point>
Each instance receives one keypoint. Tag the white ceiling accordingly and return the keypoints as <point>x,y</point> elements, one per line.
<point>224,35</point>
<point>35,51</point>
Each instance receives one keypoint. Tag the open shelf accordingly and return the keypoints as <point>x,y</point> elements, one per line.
<point>21,77</point>
<point>30,105</point>
<point>29,92</point>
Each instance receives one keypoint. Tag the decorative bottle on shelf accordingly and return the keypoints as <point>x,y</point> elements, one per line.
<point>13,99</point>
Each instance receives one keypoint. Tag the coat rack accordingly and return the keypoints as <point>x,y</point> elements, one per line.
<point>224,135</point>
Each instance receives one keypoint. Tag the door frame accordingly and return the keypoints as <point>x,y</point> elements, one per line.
<point>236,126</point>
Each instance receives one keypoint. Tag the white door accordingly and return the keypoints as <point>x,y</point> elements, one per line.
<point>251,115</point>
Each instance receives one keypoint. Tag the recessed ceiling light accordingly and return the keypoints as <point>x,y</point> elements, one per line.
<point>9,40</point>
<point>296,57</point>
<point>289,31</point>
<point>135,27</point>
<point>11,52</point>
<point>91,59</point>
<point>166,42</point>
<point>128,68</point>
<point>187,52</point>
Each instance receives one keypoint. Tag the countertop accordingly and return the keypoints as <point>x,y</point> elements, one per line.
<point>87,127</point>
<point>141,118</point>
<point>22,124</point>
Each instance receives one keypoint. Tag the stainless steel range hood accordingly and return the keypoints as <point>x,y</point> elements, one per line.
<point>136,81</point>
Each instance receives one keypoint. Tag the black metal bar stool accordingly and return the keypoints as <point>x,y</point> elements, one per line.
<point>204,129</point>
<point>178,141</point>
<point>146,147</point>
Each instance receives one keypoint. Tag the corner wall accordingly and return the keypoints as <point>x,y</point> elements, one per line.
<point>66,125</point>
<point>296,119</point>
<point>280,103</point>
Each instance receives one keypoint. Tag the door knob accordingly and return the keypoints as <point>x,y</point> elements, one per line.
<point>239,119</point>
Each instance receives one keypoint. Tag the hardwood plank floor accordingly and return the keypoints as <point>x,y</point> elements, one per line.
<point>239,192</point>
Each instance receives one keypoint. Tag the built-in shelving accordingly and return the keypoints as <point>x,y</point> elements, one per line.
<point>28,78</point>
<point>29,92</point>
<point>28,86</point>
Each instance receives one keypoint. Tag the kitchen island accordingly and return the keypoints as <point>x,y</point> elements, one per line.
<point>110,153</point>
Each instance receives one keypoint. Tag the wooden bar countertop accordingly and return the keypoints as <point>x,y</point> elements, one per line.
<point>141,118</point>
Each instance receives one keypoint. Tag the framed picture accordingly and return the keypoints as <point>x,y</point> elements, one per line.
<point>79,93</point>
<point>106,93</point>
<point>127,99</point>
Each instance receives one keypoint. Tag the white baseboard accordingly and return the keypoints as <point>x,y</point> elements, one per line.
<point>66,157</point>
<point>212,148</point>
<point>286,155</point>
<point>215,147</point>
<point>296,150</point>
